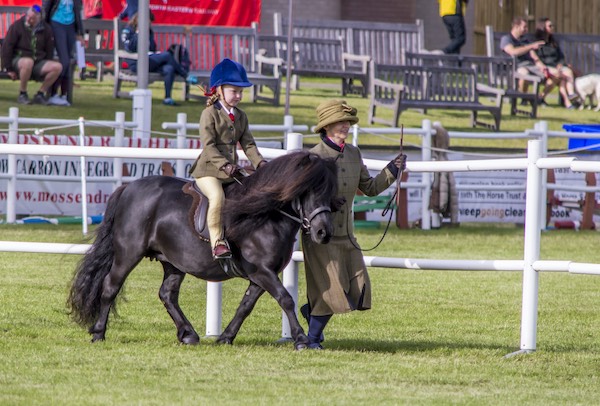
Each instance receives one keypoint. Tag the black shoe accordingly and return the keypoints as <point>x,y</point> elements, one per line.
<point>23,99</point>
<point>39,98</point>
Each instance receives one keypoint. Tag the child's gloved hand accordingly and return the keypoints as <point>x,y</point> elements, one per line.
<point>231,170</point>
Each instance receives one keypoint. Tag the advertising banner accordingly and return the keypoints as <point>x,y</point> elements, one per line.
<point>234,13</point>
<point>483,196</point>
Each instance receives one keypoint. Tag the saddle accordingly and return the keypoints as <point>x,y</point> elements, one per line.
<point>198,209</point>
<point>197,219</point>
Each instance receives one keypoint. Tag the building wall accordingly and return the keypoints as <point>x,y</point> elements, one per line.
<point>389,11</point>
<point>302,9</point>
<point>404,11</point>
<point>436,36</point>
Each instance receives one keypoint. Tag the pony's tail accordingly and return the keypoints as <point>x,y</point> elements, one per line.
<point>86,287</point>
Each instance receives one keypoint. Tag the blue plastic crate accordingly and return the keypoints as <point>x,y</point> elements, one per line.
<point>583,142</point>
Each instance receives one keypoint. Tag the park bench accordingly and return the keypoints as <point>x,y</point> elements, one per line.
<point>323,57</point>
<point>99,40</point>
<point>8,15</point>
<point>495,71</point>
<point>342,49</point>
<point>207,46</point>
<point>402,87</point>
<point>385,43</point>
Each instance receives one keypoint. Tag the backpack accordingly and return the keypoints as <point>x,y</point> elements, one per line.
<point>181,56</point>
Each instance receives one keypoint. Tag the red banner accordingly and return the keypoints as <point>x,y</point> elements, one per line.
<point>234,13</point>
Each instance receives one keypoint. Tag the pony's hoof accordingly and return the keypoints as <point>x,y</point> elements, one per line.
<point>226,341</point>
<point>96,338</point>
<point>300,346</point>
<point>191,340</point>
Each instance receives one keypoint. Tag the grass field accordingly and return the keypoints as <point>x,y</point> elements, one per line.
<point>432,337</point>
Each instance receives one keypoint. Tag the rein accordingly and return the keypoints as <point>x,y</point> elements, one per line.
<point>388,206</point>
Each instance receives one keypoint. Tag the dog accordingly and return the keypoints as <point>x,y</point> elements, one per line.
<point>588,86</point>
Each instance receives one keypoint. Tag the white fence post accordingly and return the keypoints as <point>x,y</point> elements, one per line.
<point>531,248</point>
<point>543,128</point>
<point>214,318</point>
<point>355,132</point>
<point>290,272</point>
<point>142,114</point>
<point>288,123</point>
<point>181,139</point>
<point>290,282</point>
<point>119,137</point>
<point>83,178</point>
<point>11,190</point>
<point>426,176</point>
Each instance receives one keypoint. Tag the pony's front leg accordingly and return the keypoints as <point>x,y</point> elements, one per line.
<point>169,295</point>
<point>251,296</point>
<point>271,283</point>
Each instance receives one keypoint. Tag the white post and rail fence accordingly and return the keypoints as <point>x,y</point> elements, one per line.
<point>531,264</point>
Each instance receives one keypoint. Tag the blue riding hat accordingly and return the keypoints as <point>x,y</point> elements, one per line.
<point>228,72</point>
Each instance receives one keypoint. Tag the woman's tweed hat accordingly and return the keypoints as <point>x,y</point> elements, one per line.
<point>334,111</point>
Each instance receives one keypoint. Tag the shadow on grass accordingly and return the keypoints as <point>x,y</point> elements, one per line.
<point>407,346</point>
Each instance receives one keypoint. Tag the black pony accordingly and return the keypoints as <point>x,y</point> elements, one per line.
<point>262,216</point>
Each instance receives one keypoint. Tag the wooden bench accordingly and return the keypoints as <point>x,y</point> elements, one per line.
<point>320,57</point>
<point>8,15</point>
<point>99,39</point>
<point>402,87</point>
<point>385,43</point>
<point>495,71</point>
<point>207,46</point>
<point>164,35</point>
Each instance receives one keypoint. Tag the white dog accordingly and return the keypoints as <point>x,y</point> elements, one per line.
<point>589,85</point>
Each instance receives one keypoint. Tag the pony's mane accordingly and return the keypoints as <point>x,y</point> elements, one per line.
<point>273,186</point>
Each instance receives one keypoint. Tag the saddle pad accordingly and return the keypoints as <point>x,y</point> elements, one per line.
<point>198,209</point>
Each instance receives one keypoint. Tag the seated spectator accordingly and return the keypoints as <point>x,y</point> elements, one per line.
<point>552,62</point>
<point>161,62</point>
<point>23,62</point>
<point>516,44</point>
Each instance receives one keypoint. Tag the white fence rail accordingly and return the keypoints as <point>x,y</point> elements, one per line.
<point>531,264</point>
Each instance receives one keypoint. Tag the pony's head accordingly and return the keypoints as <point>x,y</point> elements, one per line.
<point>300,183</point>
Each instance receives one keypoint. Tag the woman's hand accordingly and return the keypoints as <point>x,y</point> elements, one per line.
<point>400,162</point>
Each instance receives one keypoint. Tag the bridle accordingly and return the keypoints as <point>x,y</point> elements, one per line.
<point>304,221</point>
